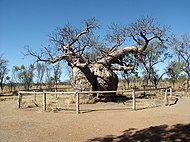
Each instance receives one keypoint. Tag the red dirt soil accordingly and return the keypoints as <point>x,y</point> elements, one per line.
<point>97,122</point>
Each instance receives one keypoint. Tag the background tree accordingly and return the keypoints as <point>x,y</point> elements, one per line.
<point>14,78</point>
<point>128,75</point>
<point>156,77</point>
<point>155,53</point>
<point>40,68</point>
<point>9,83</point>
<point>3,71</point>
<point>74,44</point>
<point>181,47</point>
<point>173,71</point>
<point>128,78</point>
<point>57,74</point>
<point>25,75</point>
<point>48,75</point>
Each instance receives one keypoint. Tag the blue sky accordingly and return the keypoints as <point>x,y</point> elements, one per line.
<point>28,22</point>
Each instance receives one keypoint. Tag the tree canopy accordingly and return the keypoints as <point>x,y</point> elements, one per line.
<point>77,46</point>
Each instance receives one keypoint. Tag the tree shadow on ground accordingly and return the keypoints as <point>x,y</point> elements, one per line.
<point>165,133</point>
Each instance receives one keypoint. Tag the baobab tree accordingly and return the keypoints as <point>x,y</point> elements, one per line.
<point>92,62</point>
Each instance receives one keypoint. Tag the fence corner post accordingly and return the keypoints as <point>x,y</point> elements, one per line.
<point>44,102</point>
<point>19,99</point>
<point>134,101</point>
<point>77,103</point>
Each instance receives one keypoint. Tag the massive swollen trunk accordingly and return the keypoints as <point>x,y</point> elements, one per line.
<point>94,77</point>
<point>99,76</point>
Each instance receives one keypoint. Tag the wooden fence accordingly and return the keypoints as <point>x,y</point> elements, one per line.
<point>77,95</point>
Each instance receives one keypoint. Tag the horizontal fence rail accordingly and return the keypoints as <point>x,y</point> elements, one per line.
<point>77,95</point>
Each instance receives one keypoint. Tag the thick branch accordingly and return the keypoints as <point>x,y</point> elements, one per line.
<point>118,54</point>
<point>78,64</point>
<point>119,68</point>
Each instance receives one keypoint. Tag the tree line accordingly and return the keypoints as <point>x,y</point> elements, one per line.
<point>25,77</point>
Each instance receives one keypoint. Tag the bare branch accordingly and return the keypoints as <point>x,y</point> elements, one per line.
<point>69,44</point>
<point>145,30</point>
<point>116,36</point>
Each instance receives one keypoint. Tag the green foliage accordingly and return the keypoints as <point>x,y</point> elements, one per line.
<point>182,78</point>
<point>25,75</point>
<point>173,71</point>
<point>3,70</point>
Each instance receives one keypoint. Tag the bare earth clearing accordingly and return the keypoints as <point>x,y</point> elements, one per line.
<point>97,122</point>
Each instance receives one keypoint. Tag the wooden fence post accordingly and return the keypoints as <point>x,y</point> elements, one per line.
<point>134,101</point>
<point>97,95</point>
<point>44,102</point>
<point>170,91</point>
<point>166,98</point>
<point>161,92</point>
<point>77,103</point>
<point>19,100</point>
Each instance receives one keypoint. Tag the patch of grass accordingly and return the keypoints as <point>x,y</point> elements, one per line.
<point>71,99</point>
<point>2,99</point>
<point>87,101</point>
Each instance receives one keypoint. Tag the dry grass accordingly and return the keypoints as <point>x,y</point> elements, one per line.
<point>60,102</point>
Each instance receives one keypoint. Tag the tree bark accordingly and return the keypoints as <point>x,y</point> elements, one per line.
<point>187,85</point>
<point>94,77</point>
<point>1,82</point>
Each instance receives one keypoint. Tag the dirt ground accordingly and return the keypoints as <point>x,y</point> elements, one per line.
<point>110,122</point>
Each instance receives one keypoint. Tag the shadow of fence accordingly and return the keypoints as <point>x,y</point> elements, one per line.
<point>175,133</point>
